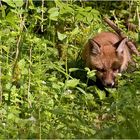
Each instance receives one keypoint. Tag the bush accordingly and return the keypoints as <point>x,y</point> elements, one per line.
<point>43,83</point>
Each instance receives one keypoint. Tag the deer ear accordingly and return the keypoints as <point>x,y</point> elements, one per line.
<point>121,46</point>
<point>94,47</point>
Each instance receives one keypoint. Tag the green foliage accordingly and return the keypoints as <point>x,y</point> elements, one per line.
<point>44,91</point>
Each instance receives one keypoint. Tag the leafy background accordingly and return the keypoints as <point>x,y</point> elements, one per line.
<point>44,91</point>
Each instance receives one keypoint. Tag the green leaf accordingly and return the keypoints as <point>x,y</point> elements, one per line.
<point>75,31</point>
<point>81,90</point>
<point>101,94</point>
<point>61,36</point>
<point>10,3</point>
<point>91,75</point>
<point>13,20</point>
<point>89,17</point>
<point>53,13</point>
<point>8,85</point>
<point>14,3</point>
<point>11,116</point>
<point>52,79</point>
<point>72,83</point>
<point>4,48</point>
<point>66,10</point>
<point>73,69</point>
<point>88,8</point>
<point>58,111</point>
<point>2,9</point>
<point>18,3</point>
<point>21,63</point>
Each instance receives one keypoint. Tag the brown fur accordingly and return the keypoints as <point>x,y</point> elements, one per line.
<point>108,54</point>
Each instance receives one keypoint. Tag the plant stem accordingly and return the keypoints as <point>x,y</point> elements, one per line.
<point>0,82</point>
<point>17,52</point>
<point>42,16</point>
<point>29,80</point>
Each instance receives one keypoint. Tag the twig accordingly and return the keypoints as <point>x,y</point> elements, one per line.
<point>114,27</point>
<point>130,45</point>
<point>42,16</point>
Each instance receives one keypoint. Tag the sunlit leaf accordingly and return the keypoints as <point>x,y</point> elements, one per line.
<point>101,94</point>
<point>10,3</point>
<point>61,36</point>
<point>5,48</point>
<point>53,13</point>
<point>72,83</point>
<point>75,31</point>
<point>18,3</point>
<point>73,69</point>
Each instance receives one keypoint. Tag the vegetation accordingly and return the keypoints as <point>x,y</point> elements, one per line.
<point>44,91</point>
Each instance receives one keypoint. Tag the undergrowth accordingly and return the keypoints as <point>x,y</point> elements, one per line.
<point>44,90</point>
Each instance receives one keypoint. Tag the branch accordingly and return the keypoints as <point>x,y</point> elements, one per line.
<point>114,27</point>
<point>130,45</point>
